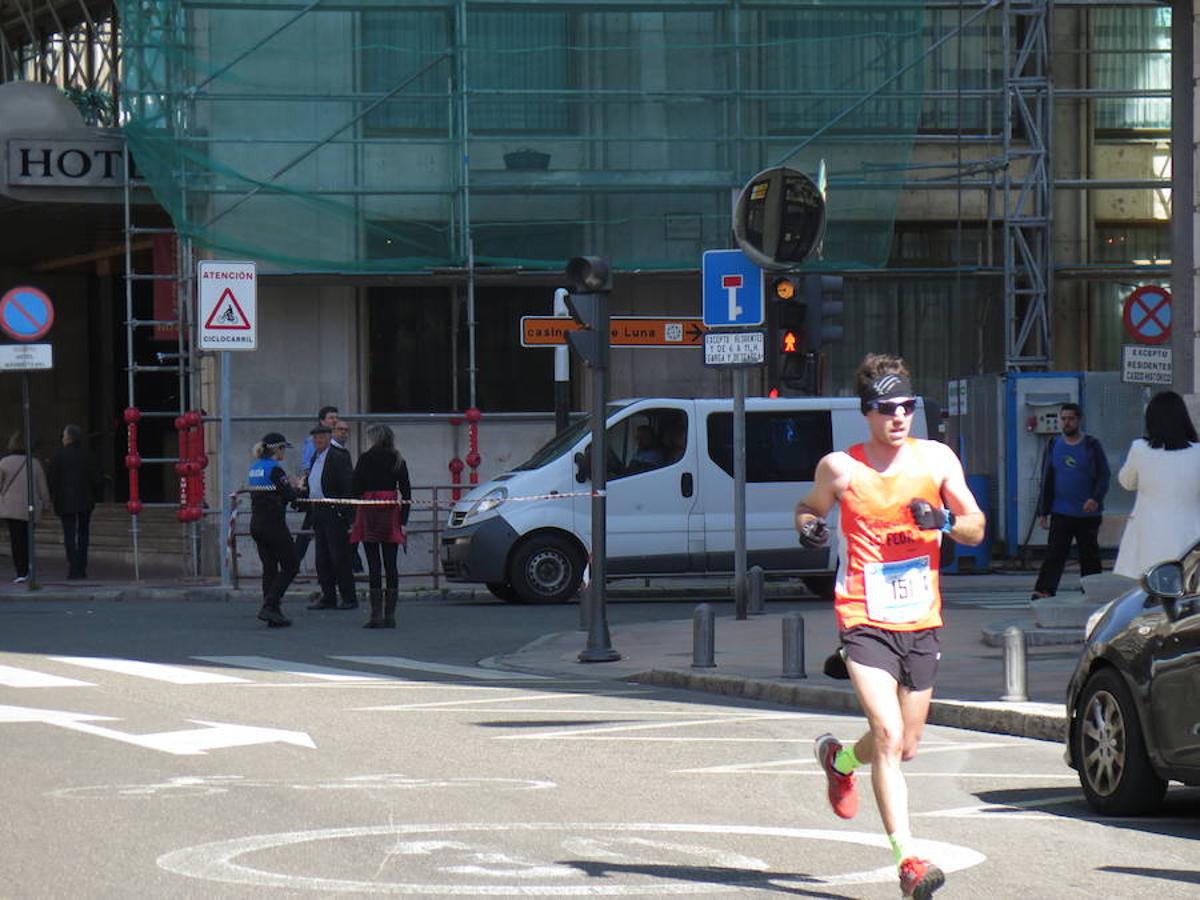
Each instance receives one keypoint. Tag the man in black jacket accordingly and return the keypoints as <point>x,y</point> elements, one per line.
<point>332,477</point>
<point>75,483</point>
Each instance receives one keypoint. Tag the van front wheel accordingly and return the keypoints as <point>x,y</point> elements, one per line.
<point>546,569</point>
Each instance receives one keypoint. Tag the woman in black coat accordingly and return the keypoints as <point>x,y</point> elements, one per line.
<point>75,483</point>
<point>381,474</point>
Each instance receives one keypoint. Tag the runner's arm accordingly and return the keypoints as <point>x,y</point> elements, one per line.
<point>827,486</point>
<point>969,523</point>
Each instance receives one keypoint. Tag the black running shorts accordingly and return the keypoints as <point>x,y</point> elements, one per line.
<point>911,657</point>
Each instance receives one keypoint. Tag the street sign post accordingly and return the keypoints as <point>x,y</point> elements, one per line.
<point>732,349</point>
<point>732,289</point>
<point>26,315</point>
<point>1147,315</point>
<point>623,331</point>
<point>228,317</point>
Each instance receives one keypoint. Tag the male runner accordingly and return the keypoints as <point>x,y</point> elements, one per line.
<point>893,492</point>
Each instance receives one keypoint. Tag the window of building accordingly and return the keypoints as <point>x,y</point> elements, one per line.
<point>1133,243</point>
<point>1131,50</point>
<point>970,61</point>
<point>780,446</point>
<point>418,362</point>
<point>512,51</point>
<point>396,44</point>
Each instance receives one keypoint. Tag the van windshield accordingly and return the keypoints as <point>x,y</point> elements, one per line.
<point>562,442</point>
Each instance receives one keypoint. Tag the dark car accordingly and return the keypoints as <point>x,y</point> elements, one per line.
<point>1133,704</point>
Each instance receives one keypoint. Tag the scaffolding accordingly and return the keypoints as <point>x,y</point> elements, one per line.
<point>449,138</point>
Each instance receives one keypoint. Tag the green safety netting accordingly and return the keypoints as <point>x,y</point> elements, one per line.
<point>355,136</point>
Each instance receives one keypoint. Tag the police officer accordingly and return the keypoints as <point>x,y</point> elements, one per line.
<point>270,493</point>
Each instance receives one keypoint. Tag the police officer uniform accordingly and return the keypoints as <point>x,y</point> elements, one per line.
<point>270,493</point>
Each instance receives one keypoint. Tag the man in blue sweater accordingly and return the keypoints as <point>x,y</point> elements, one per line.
<point>1075,479</point>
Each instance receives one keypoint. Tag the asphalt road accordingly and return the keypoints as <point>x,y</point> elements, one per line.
<point>327,760</point>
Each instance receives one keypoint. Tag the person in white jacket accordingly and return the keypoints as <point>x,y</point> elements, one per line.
<point>1164,469</point>
<point>14,501</point>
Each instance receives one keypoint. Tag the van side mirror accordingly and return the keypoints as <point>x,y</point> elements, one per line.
<point>1164,580</point>
<point>583,466</point>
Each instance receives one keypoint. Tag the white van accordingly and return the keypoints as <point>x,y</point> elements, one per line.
<point>526,534</point>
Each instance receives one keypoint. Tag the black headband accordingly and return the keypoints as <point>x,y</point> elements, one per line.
<point>885,387</point>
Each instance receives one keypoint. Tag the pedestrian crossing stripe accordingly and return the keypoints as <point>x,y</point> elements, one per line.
<point>22,677</point>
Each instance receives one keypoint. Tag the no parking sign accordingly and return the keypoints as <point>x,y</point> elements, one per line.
<point>1147,315</point>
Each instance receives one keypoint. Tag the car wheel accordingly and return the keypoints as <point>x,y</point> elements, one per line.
<point>1114,769</point>
<point>502,591</point>
<point>546,569</point>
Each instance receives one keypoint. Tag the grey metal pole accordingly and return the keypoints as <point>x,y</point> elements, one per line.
<point>1016,672</point>
<point>562,370</point>
<point>226,446</point>
<point>599,643</point>
<point>793,646</point>
<point>703,638</point>
<point>30,497</point>
<point>739,491</point>
<point>756,589</point>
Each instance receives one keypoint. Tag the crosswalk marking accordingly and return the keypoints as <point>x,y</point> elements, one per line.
<point>11,676</point>
<point>153,671</point>
<point>400,662</point>
<point>289,667</point>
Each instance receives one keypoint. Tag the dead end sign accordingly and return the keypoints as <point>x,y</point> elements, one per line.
<point>228,305</point>
<point>1147,315</point>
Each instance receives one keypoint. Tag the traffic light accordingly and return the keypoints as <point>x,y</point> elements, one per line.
<point>787,362</point>
<point>823,297</point>
<point>589,280</point>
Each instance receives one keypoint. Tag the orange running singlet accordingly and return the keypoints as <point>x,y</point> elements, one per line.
<point>887,566</point>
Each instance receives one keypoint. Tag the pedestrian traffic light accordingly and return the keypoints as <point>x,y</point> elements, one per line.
<point>823,298</point>
<point>787,365</point>
<point>589,282</point>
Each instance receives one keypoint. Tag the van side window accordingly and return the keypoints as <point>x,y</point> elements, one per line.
<point>780,446</point>
<point>647,440</point>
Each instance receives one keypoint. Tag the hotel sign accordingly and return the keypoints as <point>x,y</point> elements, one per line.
<point>83,162</point>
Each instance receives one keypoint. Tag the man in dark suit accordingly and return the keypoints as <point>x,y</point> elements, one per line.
<point>332,477</point>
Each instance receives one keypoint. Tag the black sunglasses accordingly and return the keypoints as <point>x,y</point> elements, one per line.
<point>891,407</point>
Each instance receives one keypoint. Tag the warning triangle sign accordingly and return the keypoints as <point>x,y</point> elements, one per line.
<point>228,314</point>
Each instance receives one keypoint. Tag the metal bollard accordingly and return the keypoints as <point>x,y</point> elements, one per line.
<point>1016,670</point>
<point>703,638</point>
<point>793,646</point>
<point>756,591</point>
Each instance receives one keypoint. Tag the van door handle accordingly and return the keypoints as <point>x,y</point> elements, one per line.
<point>685,484</point>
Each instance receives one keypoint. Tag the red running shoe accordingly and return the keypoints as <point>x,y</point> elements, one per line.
<point>919,878</point>
<point>843,794</point>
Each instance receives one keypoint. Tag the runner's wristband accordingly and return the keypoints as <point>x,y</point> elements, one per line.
<point>949,523</point>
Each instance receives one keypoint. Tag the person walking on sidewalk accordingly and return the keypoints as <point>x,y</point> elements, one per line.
<point>1075,478</point>
<point>382,474</point>
<point>896,497</point>
<point>1164,468</point>
<point>15,505</point>
<point>75,483</point>
<point>270,493</point>
<point>341,440</point>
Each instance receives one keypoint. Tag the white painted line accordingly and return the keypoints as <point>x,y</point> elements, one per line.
<point>400,662</point>
<point>188,742</point>
<point>289,667</point>
<point>481,854</point>
<point>11,676</point>
<point>442,704</point>
<point>154,671</point>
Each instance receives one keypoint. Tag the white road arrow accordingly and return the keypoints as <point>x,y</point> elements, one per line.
<point>187,742</point>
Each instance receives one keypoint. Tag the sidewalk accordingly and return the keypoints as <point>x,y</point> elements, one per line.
<point>749,654</point>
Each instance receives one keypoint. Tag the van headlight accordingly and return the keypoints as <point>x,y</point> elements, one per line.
<point>489,501</point>
<point>1094,619</point>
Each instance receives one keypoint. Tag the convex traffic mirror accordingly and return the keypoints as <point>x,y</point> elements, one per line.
<point>780,218</point>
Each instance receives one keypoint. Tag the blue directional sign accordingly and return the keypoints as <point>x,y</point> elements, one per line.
<point>26,313</point>
<point>733,289</point>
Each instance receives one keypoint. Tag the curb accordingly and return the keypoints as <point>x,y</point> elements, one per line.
<point>1043,721</point>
